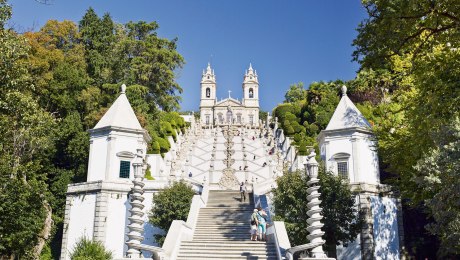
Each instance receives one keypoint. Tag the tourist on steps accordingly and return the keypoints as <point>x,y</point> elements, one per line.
<point>262,226</point>
<point>243,191</point>
<point>254,224</point>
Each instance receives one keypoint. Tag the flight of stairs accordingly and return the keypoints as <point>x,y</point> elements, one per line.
<point>222,231</point>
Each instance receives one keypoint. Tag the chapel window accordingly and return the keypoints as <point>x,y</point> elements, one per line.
<point>341,160</point>
<point>125,167</point>
<point>208,92</point>
<point>342,169</point>
<point>251,93</point>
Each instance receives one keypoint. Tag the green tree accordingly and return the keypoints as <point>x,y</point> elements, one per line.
<point>172,203</point>
<point>397,27</point>
<point>296,92</point>
<point>342,221</point>
<point>147,60</point>
<point>26,133</point>
<point>86,249</point>
<point>263,115</point>
<point>439,172</point>
<point>409,58</point>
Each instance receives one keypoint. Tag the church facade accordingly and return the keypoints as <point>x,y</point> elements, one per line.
<point>229,110</point>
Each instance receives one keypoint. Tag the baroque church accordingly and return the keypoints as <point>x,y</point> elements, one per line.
<point>229,110</point>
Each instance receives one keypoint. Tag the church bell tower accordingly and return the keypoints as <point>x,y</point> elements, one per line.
<point>251,88</point>
<point>251,96</point>
<point>208,96</point>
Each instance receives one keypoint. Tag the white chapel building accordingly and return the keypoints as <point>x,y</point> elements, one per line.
<point>348,148</point>
<point>229,110</point>
<point>99,208</point>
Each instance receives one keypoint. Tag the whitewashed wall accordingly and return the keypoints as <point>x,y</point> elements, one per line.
<point>82,209</point>
<point>386,237</point>
<point>103,163</point>
<point>363,161</point>
<point>117,221</point>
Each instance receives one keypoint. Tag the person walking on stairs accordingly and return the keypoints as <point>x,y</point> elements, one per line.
<point>243,191</point>
<point>262,226</point>
<point>254,224</point>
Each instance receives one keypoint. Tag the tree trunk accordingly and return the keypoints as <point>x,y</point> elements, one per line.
<point>45,233</point>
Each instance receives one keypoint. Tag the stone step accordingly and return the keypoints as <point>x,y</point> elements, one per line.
<point>225,254</point>
<point>227,250</point>
<point>223,231</point>
<point>217,233</point>
<point>225,214</point>
<point>207,243</point>
<point>221,227</point>
<point>233,237</point>
<point>243,257</point>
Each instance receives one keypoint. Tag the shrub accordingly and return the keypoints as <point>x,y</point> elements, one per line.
<point>174,135</point>
<point>154,148</point>
<point>303,148</point>
<point>148,174</point>
<point>86,249</point>
<point>172,203</point>
<point>291,117</point>
<point>281,110</point>
<point>164,145</point>
<point>312,129</point>
<point>167,128</point>
<point>297,138</point>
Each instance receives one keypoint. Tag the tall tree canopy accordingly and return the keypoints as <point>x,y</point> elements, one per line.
<point>56,83</point>
<point>409,56</point>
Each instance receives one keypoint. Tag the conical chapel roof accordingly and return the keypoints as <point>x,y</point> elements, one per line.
<point>347,115</point>
<point>120,114</point>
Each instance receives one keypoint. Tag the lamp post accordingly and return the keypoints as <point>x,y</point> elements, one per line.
<point>314,209</point>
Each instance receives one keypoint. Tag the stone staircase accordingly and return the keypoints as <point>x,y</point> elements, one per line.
<point>222,231</point>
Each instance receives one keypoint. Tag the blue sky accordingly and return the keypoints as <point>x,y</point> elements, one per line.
<point>286,41</point>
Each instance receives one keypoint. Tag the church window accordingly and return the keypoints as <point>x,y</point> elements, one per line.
<point>208,77</point>
<point>125,167</point>
<point>342,169</point>
<point>221,118</point>
<point>208,92</point>
<point>251,119</point>
<point>251,93</point>
<point>207,119</point>
<point>238,118</point>
<point>342,164</point>
<point>229,116</point>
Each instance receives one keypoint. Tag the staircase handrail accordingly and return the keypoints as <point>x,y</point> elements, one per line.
<point>291,251</point>
<point>183,231</point>
<point>264,187</point>
<point>158,253</point>
<point>178,231</point>
<point>281,238</point>
<point>205,193</point>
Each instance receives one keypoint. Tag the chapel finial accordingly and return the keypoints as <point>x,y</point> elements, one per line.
<point>344,90</point>
<point>250,66</point>
<point>123,89</point>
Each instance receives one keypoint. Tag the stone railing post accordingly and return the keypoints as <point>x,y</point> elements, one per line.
<point>314,208</point>
<point>136,225</point>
